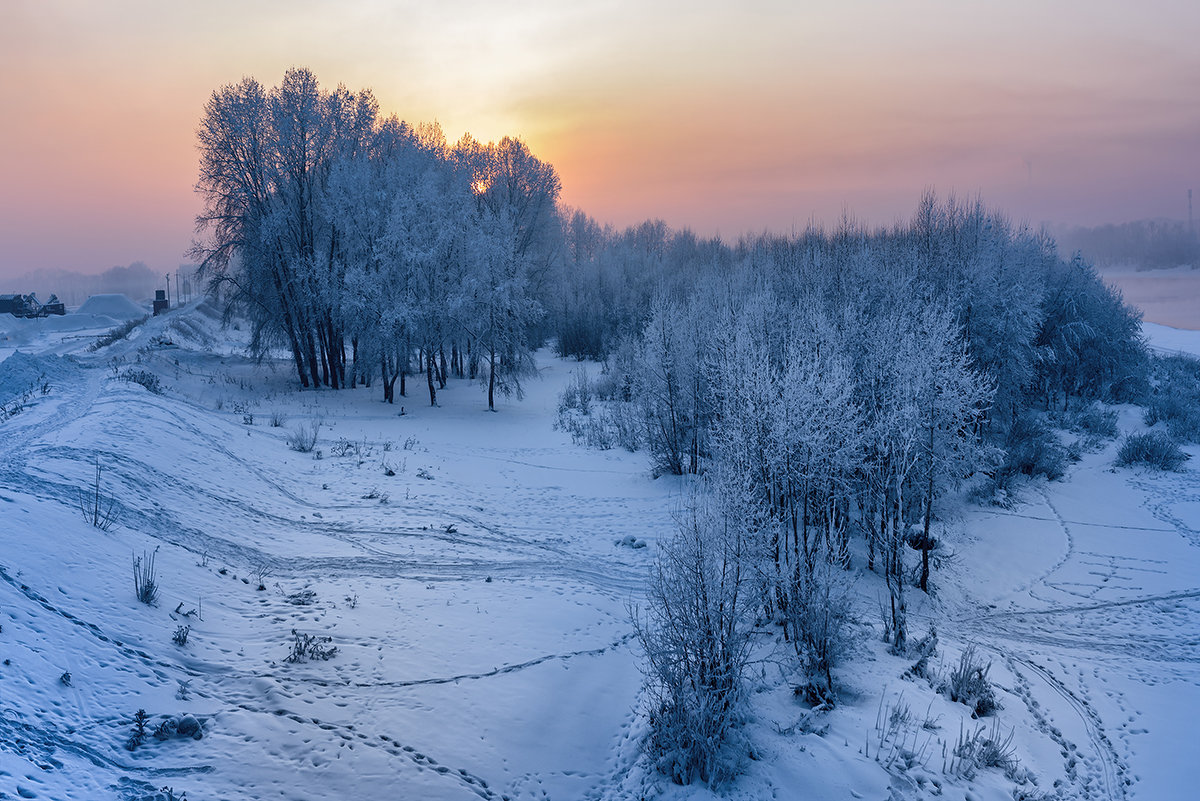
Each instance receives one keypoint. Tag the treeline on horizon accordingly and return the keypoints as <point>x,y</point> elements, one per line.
<point>1143,244</point>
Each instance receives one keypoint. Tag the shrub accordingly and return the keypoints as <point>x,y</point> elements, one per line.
<point>982,748</point>
<point>301,597</point>
<point>180,637</point>
<point>593,414</point>
<point>116,334</point>
<point>1033,449</point>
<point>968,684</point>
<point>145,583</point>
<point>97,509</point>
<point>577,396</point>
<point>345,447</point>
<point>1096,421</point>
<point>144,378</point>
<point>696,646</point>
<point>1175,399</point>
<point>140,719</point>
<point>310,646</point>
<point>819,616</point>
<point>303,438</point>
<point>165,730</point>
<point>1154,448</point>
<point>17,404</point>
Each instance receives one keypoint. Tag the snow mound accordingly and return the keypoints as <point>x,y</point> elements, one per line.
<point>119,307</point>
<point>32,331</point>
<point>77,322</point>
<point>21,371</point>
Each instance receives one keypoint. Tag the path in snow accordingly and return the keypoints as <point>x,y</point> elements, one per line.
<point>1103,638</point>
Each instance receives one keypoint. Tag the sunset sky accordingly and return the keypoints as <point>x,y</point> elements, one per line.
<point>722,117</point>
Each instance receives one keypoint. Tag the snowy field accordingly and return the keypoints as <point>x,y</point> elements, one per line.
<point>472,571</point>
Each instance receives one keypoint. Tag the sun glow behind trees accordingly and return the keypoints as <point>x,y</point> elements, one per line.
<point>329,224</point>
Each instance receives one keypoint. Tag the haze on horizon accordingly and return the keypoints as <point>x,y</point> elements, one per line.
<point>770,116</point>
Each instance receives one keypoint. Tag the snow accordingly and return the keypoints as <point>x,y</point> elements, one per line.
<point>479,601</point>
<point>1167,340</point>
<point>118,307</point>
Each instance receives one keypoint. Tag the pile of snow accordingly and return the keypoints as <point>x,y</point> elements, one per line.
<point>118,307</point>
<point>77,322</point>
<point>38,333</point>
<point>20,371</point>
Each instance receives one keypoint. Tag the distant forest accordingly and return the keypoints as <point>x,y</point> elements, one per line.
<point>1145,244</point>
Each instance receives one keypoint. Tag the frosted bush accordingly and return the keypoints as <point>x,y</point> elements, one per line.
<point>1155,449</point>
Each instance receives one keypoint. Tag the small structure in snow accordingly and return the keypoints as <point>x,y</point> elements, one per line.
<point>30,306</point>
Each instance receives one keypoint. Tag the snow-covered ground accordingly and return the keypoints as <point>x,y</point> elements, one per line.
<point>1164,339</point>
<point>479,602</point>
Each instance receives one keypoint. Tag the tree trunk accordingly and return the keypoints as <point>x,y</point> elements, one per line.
<point>492,380</point>
<point>429,379</point>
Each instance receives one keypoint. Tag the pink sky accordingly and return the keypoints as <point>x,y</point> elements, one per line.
<point>724,120</point>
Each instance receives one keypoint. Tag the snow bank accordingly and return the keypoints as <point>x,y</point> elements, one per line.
<point>77,322</point>
<point>21,370</point>
<point>1165,339</point>
<point>119,307</point>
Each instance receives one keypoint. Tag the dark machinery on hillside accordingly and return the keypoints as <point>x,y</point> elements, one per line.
<point>30,306</point>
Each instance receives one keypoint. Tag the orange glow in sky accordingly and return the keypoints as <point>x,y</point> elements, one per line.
<point>725,120</point>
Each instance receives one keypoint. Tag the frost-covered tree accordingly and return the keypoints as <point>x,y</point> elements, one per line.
<point>329,224</point>
<point>694,632</point>
<point>670,386</point>
<point>502,311</point>
<point>1089,343</point>
<point>265,163</point>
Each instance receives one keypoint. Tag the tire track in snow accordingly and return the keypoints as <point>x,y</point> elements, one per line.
<point>537,558</point>
<point>20,468</point>
<point>1062,610</point>
<point>1111,770</point>
<point>16,735</point>
<point>1117,526</point>
<point>1180,488</point>
<point>135,654</point>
